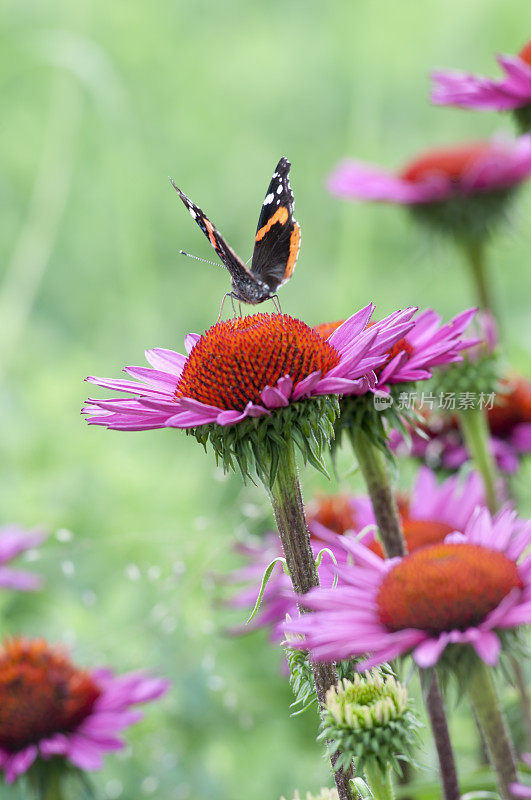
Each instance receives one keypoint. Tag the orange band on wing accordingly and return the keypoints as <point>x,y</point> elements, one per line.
<point>294,244</point>
<point>210,231</point>
<point>281,215</point>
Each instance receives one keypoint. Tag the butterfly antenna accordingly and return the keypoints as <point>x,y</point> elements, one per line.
<point>205,260</point>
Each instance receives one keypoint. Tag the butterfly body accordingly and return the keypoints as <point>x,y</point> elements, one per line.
<point>276,246</point>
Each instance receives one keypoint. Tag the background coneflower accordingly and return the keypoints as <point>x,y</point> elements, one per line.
<point>511,93</point>
<point>15,540</point>
<point>460,191</point>
<point>454,602</point>
<point>54,714</point>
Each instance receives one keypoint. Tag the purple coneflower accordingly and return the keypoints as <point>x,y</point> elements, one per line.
<point>428,515</point>
<point>13,541</point>
<point>511,93</point>
<point>50,708</point>
<point>461,192</point>
<point>462,591</point>
<point>248,367</point>
<point>438,175</point>
<point>427,345</point>
<point>255,388</point>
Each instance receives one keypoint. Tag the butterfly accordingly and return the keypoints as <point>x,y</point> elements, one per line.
<point>276,243</point>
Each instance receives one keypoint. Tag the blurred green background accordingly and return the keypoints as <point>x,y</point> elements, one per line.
<point>100,103</point>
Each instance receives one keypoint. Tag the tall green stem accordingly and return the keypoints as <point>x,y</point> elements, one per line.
<point>45,780</point>
<point>439,725</point>
<point>376,475</point>
<point>286,499</point>
<point>474,425</point>
<point>475,255</point>
<point>381,784</point>
<point>375,471</point>
<point>484,699</point>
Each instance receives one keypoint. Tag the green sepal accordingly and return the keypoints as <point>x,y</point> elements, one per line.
<point>301,678</point>
<point>457,662</point>
<point>481,377</point>
<point>466,218</point>
<point>59,779</point>
<point>523,118</point>
<point>255,444</point>
<point>359,413</point>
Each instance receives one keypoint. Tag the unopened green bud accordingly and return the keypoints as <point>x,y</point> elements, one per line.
<point>369,718</point>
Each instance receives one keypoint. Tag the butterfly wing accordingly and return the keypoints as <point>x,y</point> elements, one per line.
<point>231,261</point>
<point>278,235</point>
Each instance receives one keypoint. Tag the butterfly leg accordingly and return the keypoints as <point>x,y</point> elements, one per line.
<point>276,303</point>
<point>227,294</point>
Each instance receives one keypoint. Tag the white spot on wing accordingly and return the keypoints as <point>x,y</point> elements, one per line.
<point>269,199</point>
<point>279,189</point>
<point>192,212</point>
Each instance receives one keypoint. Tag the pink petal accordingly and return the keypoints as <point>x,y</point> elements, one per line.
<point>487,646</point>
<point>353,326</point>
<point>190,341</point>
<point>428,652</point>
<point>84,753</point>
<point>166,360</point>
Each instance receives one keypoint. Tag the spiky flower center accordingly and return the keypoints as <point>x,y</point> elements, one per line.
<point>453,163</point>
<point>525,53</point>
<point>402,346</point>
<point>234,361</point>
<point>41,693</point>
<point>418,533</point>
<point>445,587</point>
<point>368,701</point>
<point>334,511</point>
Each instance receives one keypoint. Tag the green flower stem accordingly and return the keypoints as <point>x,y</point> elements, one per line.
<point>439,725</point>
<point>484,699</point>
<point>46,783</point>
<point>523,118</point>
<point>375,470</point>
<point>380,784</point>
<point>475,255</point>
<point>288,507</point>
<point>521,686</point>
<point>475,429</point>
<point>474,426</point>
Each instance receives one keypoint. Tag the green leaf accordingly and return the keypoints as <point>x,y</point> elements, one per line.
<point>267,574</point>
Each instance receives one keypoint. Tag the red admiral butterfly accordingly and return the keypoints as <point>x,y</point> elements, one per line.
<point>276,244</point>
